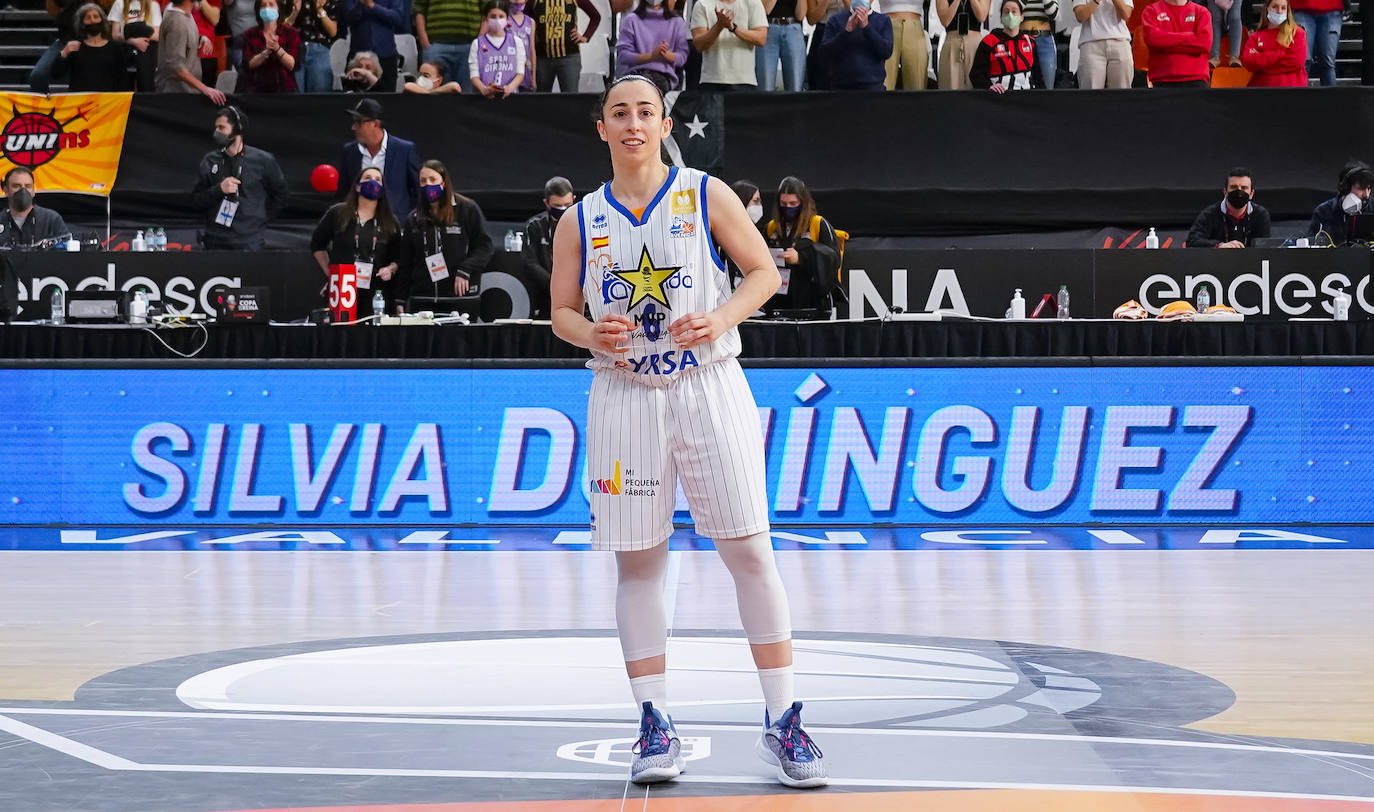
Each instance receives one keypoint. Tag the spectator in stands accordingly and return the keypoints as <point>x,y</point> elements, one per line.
<point>556,41</point>
<point>785,41</point>
<point>240,16</point>
<point>445,238</point>
<point>361,231</point>
<point>95,64</point>
<point>137,25</point>
<point>1104,43</point>
<point>1236,221</point>
<point>432,80</point>
<point>653,43</point>
<point>362,74</point>
<point>1005,59</point>
<point>374,146</point>
<point>496,60</point>
<point>1321,19</point>
<point>522,25</point>
<point>962,20</point>
<point>207,14</point>
<point>817,61</point>
<point>240,188</point>
<point>445,29</point>
<point>1276,54</point>
<point>1038,24</point>
<point>1226,17</point>
<point>317,22</point>
<point>805,248</point>
<point>50,64</point>
<point>910,50</point>
<point>858,47</point>
<point>373,26</point>
<point>538,244</point>
<point>178,53</point>
<point>24,224</point>
<point>1179,35</point>
<point>270,51</point>
<point>727,32</point>
<point>1334,218</point>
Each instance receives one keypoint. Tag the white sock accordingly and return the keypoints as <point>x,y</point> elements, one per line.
<point>653,688</point>
<point>777,690</point>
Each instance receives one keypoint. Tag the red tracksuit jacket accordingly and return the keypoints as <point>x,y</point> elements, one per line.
<point>1272,64</point>
<point>1179,38</point>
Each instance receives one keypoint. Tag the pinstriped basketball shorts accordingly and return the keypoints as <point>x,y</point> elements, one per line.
<point>702,429</point>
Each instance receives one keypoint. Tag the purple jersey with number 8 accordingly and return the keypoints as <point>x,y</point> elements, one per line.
<point>497,63</point>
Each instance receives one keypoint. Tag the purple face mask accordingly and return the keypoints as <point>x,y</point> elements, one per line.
<point>434,192</point>
<point>370,189</point>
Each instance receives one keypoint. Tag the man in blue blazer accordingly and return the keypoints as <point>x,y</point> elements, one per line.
<point>396,157</point>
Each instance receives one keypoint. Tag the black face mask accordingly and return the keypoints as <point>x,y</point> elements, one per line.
<point>790,212</point>
<point>1237,198</point>
<point>555,212</point>
<point>21,200</point>
<point>93,29</point>
<point>222,139</point>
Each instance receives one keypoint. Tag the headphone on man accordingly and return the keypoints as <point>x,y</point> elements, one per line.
<point>237,119</point>
<point>1353,171</point>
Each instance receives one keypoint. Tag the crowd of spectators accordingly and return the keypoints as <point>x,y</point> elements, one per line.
<point>499,47</point>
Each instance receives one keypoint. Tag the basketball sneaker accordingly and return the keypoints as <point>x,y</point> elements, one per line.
<point>786,746</point>
<point>658,753</point>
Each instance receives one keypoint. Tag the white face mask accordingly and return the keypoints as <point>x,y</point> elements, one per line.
<point>1277,19</point>
<point>755,212</point>
<point>425,82</point>
<point>1352,203</point>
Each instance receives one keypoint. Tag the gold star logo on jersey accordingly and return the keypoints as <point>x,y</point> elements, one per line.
<point>646,281</point>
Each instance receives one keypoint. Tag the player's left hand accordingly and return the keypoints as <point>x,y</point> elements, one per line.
<point>696,328</point>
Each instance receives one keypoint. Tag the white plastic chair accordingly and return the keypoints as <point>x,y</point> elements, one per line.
<point>227,81</point>
<point>409,51</point>
<point>338,60</point>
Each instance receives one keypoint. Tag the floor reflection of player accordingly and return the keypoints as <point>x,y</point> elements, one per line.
<point>660,411</point>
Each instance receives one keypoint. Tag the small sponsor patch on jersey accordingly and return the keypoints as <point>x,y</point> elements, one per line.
<point>685,202</point>
<point>682,228</point>
<point>601,242</point>
<point>599,221</point>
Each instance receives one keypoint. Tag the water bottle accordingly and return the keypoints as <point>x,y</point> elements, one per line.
<point>1204,299</point>
<point>1340,305</point>
<point>138,244</point>
<point>519,241</point>
<point>160,240</point>
<point>1063,301</point>
<point>58,306</point>
<point>138,308</point>
<point>510,240</point>
<point>1152,239</point>
<point>378,307</point>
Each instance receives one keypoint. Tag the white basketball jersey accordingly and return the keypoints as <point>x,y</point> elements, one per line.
<point>654,269</point>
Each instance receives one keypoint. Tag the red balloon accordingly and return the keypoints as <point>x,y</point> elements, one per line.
<point>324,178</point>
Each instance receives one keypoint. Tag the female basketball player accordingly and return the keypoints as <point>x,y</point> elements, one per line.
<point>669,402</point>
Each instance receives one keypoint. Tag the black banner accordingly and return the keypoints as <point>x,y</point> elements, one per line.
<point>934,164</point>
<point>182,280</point>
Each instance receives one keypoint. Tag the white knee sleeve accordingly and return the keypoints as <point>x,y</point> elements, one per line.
<point>639,613</point>
<point>758,588</point>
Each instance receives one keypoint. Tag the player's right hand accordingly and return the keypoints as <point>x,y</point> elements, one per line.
<point>610,332</point>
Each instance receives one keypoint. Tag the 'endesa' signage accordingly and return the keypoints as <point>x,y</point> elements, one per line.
<point>1262,284</point>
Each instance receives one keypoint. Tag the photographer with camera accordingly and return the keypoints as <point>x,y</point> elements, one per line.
<point>240,188</point>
